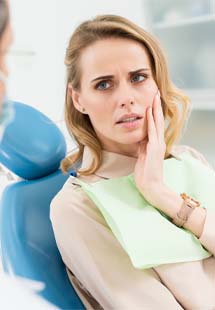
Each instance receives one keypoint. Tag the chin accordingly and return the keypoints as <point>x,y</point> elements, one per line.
<point>136,136</point>
<point>132,139</point>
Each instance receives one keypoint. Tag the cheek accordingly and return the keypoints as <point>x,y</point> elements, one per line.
<point>150,87</point>
<point>148,92</point>
<point>96,111</point>
<point>99,111</point>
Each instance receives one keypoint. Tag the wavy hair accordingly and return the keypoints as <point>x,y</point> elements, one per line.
<point>175,104</point>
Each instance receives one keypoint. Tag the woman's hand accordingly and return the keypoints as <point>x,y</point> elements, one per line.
<point>148,172</point>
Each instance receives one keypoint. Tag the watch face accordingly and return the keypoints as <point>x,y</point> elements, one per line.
<point>190,201</point>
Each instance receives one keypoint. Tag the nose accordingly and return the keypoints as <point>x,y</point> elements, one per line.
<point>125,96</point>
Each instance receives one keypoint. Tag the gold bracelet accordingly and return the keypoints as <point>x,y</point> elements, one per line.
<point>188,205</point>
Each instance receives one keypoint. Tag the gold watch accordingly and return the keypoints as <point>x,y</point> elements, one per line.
<point>188,205</point>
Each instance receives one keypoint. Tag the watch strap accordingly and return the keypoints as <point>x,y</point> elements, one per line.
<point>187,207</point>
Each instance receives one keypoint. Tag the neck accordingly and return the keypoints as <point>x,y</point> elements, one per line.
<point>123,149</point>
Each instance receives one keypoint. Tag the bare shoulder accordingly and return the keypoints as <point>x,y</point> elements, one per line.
<point>180,149</point>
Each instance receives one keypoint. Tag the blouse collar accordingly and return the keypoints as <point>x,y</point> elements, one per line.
<point>113,165</point>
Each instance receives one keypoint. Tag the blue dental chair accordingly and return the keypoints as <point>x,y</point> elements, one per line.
<point>32,148</point>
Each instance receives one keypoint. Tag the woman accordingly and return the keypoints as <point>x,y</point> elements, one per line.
<point>126,117</point>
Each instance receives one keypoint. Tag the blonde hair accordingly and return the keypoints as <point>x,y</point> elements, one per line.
<point>174,103</point>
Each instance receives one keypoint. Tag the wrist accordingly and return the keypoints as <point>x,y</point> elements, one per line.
<point>164,199</point>
<point>169,202</point>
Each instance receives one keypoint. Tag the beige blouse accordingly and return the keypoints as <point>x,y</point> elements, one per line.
<point>100,269</point>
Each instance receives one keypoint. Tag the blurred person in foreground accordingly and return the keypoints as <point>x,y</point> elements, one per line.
<point>6,110</point>
<point>16,293</point>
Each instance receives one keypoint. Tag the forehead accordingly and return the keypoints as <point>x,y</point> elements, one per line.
<point>108,55</point>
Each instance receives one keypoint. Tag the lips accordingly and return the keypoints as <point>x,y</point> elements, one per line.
<point>128,116</point>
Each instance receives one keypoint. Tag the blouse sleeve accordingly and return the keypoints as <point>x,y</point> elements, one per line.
<point>96,258</point>
<point>207,237</point>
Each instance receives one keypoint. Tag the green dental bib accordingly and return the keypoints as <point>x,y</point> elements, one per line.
<point>147,234</point>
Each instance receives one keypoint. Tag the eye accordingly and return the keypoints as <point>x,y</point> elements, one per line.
<point>138,78</point>
<point>103,85</point>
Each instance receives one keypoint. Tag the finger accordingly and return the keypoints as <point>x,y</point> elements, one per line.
<point>158,117</point>
<point>142,148</point>
<point>152,132</point>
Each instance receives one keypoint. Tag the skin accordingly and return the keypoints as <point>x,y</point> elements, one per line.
<point>124,93</point>
<point>107,99</point>
<point>112,98</point>
<point>5,44</point>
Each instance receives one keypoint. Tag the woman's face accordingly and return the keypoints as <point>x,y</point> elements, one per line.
<point>116,81</point>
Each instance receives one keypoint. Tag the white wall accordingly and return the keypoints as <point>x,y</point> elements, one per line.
<point>33,68</point>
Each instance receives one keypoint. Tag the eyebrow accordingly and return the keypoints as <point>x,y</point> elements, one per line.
<point>106,77</point>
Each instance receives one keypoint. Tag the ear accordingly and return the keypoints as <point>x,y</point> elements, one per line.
<point>75,95</point>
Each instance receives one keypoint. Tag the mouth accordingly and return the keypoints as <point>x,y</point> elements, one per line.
<point>130,123</point>
<point>129,120</point>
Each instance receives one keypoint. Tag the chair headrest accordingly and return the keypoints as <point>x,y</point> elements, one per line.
<point>32,145</point>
